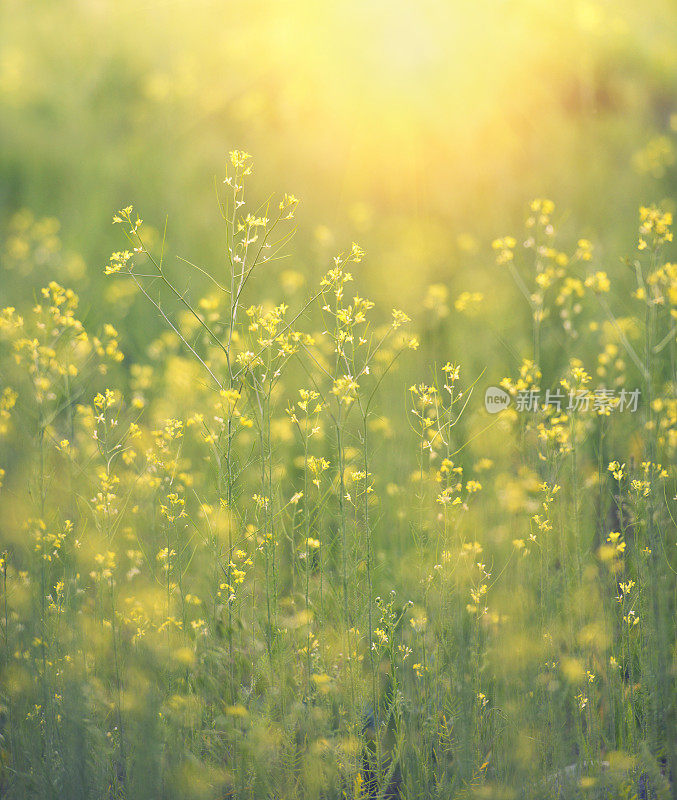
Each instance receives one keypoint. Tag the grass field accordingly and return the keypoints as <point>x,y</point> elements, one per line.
<point>345,469</point>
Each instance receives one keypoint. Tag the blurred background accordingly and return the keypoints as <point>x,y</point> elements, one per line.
<point>419,129</point>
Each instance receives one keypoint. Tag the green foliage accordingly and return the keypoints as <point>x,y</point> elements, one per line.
<point>235,569</point>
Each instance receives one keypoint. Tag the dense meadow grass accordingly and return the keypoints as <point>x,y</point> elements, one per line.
<point>289,553</point>
<point>287,516</point>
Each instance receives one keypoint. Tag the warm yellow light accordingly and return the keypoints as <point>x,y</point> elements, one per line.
<point>392,80</point>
